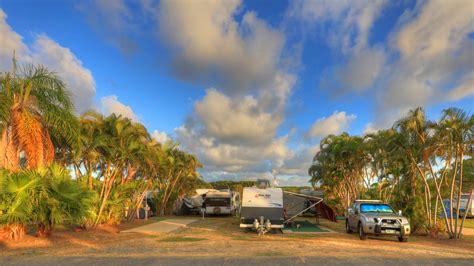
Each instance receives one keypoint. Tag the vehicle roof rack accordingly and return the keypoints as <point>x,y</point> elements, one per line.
<point>364,200</point>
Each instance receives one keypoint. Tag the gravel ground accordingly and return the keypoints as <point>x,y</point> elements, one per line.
<point>219,241</point>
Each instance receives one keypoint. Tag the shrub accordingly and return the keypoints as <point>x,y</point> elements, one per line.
<point>42,198</point>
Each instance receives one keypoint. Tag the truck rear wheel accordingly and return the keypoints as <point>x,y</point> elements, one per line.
<point>403,239</point>
<point>362,234</point>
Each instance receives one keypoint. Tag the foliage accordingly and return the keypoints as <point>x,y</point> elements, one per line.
<point>36,114</point>
<point>42,198</point>
<point>414,165</point>
<point>113,157</point>
<point>117,158</point>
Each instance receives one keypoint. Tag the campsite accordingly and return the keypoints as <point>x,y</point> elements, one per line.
<point>236,132</point>
<point>219,240</point>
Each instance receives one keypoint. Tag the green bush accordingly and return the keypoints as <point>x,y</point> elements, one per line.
<point>42,198</point>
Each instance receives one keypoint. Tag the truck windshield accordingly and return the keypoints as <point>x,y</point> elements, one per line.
<point>378,208</point>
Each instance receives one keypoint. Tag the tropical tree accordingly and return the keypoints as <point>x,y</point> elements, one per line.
<point>454,140</point>
<point>341,166</point>
<point>414,165</point>
<point>36,114</point>
<point>42,198</point>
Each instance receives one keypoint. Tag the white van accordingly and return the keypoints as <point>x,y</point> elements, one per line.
<point>464,207</point>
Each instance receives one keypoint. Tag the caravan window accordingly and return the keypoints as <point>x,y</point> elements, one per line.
<point>217,202</point>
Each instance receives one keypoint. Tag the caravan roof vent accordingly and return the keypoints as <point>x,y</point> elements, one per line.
<point>263,183</point>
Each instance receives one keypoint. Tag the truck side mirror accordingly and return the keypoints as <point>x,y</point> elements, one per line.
<point>400,212</point>
<point>351,211</point>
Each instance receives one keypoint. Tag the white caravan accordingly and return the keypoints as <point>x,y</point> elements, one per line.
<point>221,202</point>
<point>262,207</point>
<point>213,201</point>
<point>263,210</point>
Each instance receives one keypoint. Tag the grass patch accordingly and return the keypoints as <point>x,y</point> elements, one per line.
<point>183,239</point>
<point>32,253</point>
<point>469,223</point>
<point>152,236</point>
<point>301,236</point>
<point>241,238</point>
<point>271,254</point>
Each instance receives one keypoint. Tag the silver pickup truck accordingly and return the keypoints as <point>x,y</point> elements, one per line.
<point>377,218</point>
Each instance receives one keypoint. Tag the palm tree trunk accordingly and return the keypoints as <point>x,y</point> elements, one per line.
<point>9,154</point>
<point>469,203</point>
<point>451,194</point>
<point>438,191</point>
<point>459,193</point>
<point>172,188</point>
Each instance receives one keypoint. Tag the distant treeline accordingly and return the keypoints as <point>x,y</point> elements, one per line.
<point>239,186</point>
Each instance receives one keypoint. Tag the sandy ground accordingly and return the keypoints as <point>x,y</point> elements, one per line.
<point>216,240</point>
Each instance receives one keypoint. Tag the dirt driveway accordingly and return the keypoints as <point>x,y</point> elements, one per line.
<point>220,241</point>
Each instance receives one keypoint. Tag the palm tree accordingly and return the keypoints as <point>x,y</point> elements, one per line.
<point>455,139</point>
<point>36,114</point>
<point>42,198</point>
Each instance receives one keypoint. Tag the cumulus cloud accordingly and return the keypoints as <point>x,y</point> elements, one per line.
<point>233,134</point>
<point>235,121</point>
<point>436,57</point>
<point>233,128</point>
<point>161,137</point>
<point>298,162</point>
<point>9,41</point>
<point>361,70</point>
<point>44,50</point>
<point>349,24</point>
<point>213,47</point>
<point>78,79</point>
<point>350,21</point>
<point>334,124</point>
<point>111,105</point>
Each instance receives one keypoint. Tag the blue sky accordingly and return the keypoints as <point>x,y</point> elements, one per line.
<point>251,86</point>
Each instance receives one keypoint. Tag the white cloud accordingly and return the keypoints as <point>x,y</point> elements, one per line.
<point>436,57</point>
<point>9,41</point>
<point>110,104</point>
<point>334,124</point>
<point>465,89</point>
<point>78,79</point>
<point>161,137</point>
<point>211,45</point>
<point>233,128</point>
<point>348,33</point>
<point>299,161</point>
<point>351,21</point>
<point>235,121</point>
<point>440,27</point>
<point>370,128</point>
<point>233,134</point>
<point>362,69</point>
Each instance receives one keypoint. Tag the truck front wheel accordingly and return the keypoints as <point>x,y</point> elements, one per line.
<point>362,234</point>
<point>348,228</point>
